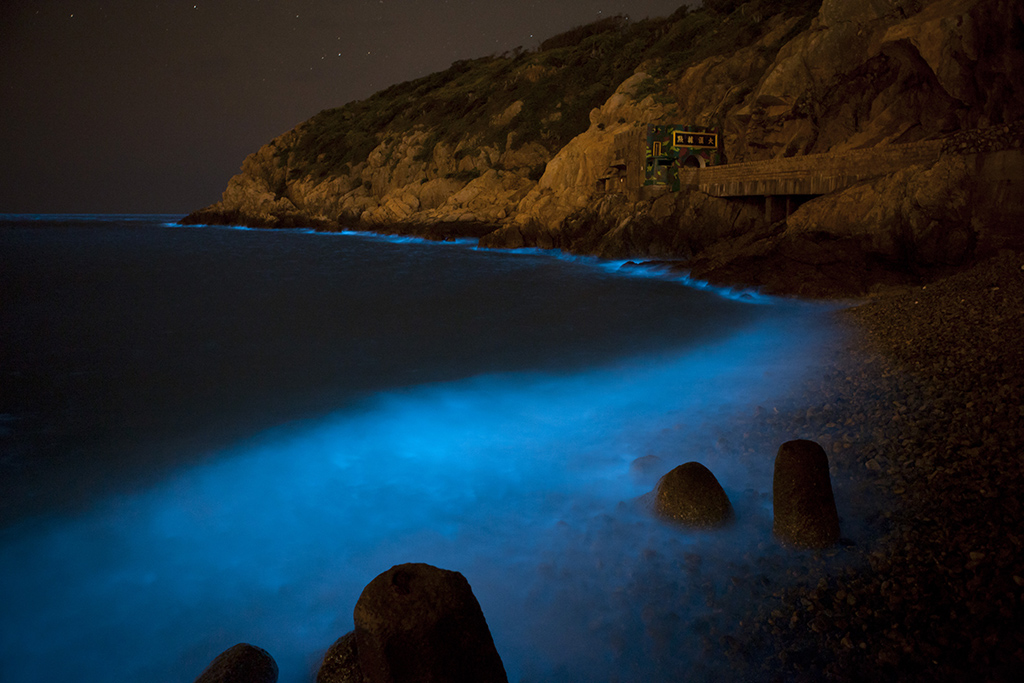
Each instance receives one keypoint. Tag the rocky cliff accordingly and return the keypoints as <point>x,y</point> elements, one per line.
<point>510,148</point>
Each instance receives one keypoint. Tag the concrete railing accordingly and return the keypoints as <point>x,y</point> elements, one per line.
<point>812,174</point>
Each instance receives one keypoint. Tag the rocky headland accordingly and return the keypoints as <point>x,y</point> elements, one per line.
<point>509,149</point>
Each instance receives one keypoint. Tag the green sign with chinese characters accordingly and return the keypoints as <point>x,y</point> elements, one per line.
<point>672,147</point>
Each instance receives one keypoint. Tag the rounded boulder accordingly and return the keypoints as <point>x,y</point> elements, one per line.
<point>416,622</point>
<point>690,495</point>
<point>242,663</point>
<point>341,662</point>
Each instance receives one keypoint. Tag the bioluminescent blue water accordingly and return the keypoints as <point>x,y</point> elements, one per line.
<point>213,436</point>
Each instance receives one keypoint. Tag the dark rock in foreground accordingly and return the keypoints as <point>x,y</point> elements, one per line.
<point>242,663</point>
<point>805,508</point>
<point>416,622</point>
<point>341,662</point>
<point>690,495</point>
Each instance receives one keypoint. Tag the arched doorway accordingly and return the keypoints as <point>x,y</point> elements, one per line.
<point>693,161</point>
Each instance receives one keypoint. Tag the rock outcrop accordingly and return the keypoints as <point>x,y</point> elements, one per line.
<point>778,81</point>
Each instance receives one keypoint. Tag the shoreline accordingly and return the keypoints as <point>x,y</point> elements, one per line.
<point>924,408</point>
<point>918,415</point>
<point>848,275</point>
<point>920,409</point>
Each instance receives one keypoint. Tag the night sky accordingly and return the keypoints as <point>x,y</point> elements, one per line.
<point>149,107</point>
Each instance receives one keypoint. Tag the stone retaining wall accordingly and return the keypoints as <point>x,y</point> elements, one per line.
<point>982,140</point>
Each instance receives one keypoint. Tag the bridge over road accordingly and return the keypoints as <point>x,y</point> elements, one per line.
<point>810,175</point>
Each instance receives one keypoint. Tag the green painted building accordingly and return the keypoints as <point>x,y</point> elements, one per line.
<point>672,147</point>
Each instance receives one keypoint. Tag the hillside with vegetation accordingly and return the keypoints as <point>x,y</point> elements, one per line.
<point>509,148</point>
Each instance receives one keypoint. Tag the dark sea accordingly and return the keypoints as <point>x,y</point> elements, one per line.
<point>213,435</point>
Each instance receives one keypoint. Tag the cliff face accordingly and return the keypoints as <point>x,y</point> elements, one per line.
<point>780,79</point>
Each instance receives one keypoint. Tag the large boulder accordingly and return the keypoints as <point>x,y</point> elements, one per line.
<point>871,72</point>
<point>805,509</point>
<point>690,495</point>
<point>488,198</point>
<point>242,663</point>
<point>917,216</point>
<point>416,622</point>
<point>341,662</point>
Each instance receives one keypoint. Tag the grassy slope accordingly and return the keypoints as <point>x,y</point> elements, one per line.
<point>558,84</point>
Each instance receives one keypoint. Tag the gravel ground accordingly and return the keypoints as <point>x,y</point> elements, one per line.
<point>923,420</point>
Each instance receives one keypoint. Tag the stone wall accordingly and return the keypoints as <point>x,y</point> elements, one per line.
<point>981,140</point>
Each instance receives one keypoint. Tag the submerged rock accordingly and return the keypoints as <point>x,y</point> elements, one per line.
<point>416,622</point>
<point>690,495</point>
<point>646,467</point>
<point>242,663</point>
<point>805,508</point>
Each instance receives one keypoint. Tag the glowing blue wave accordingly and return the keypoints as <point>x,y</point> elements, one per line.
<point>519,481</point>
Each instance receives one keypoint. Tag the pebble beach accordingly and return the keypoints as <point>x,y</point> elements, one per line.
<point>923,421</point>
